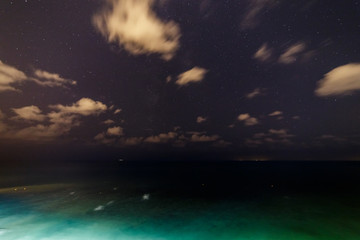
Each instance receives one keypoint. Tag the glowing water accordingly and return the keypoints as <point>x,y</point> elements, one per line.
<point>74,212</point>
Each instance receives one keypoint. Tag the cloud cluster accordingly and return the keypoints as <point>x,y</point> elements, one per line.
<point>134,25</point>
<point>279,136</point>
<point>10,78</point>
<point>161,138</point>
<point>196,74</point>
<point>342,80</point>
<point>204,138</point>
<point>290,55</point>
<point>55,123</point>
<point>247,119</point>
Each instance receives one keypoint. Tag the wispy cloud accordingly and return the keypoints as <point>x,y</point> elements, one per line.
<point>253,13</point>
<point>264,53</point>
<point>10,77</point>
<point>292,53</point>
<point>135,26</point>
<point>51,79</point>
<point>256,93</point>
<point>342,80</point>
<point>275,113</point>
<point>196,74</point>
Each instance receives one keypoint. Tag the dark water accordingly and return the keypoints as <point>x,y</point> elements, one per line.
<point>180,200</point>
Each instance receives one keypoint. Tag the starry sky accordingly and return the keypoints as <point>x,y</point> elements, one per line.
<point>249,79</point>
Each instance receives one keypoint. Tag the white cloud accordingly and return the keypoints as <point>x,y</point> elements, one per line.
<point>204,138</point>
<point>276,113</point>
<point>51,79</point>
<point>257,92</point>
<point>292,53</point>
<point>263,53</point>
<point>196,74</point>
<point>61,120</point>
<point>10,76</point>
<point>201,119</point>
<point>115,131</point>
<point>342,80</point>
<point>84,106</point>
<point>134,25</point>
<point>29,113</point>
<point>248,120</point>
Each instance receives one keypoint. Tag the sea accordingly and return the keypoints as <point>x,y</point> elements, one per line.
<point>149,200</point>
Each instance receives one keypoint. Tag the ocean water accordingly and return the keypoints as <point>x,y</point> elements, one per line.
<point>170,202</point>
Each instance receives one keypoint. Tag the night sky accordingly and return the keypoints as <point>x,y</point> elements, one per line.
<point>237,80</point>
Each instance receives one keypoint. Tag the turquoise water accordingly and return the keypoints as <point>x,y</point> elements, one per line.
<point>107,211</point>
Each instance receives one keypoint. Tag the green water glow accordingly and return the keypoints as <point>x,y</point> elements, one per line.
<point>68,212</point>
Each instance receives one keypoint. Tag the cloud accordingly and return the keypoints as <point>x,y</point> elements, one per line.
<point>58,122</point>
<point>115,131</point>
<point>221,143</point>
<point>204,138</point>
<point>132,141</point>
<point>108,122</point>
<point>32,113</point>
<point>252,15</point>
<point>263,53</point>
<point>3,126</point>
<point>51,79</point>
<point>276,113</point>
<point>201,119</point>
<point>291,54</point>
<point>249,121</point>
<point>195,74</point>
<point>281,133</point>
<point>84,106</point>
<point>161,138</point>
<point>10,76</point>
<point>117,111</point>
<point>342,80</point>
<point>257,92</point>
<point>134,25</point>
<point>2,115</point>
